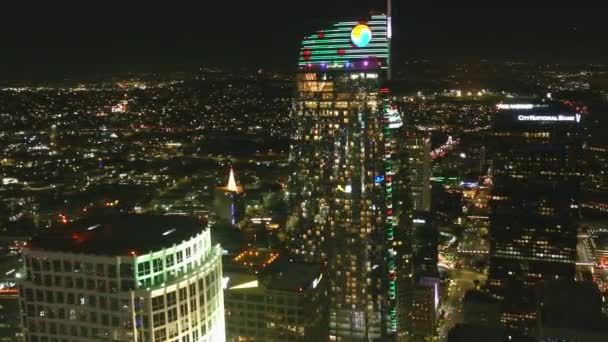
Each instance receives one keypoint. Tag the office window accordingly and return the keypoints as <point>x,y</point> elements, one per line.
<point>112,271</point>
<point>127,270</point>
<point>171,298</point>
<point>113,304</point>
<point>157,265</point>
<point>172,315</point>
<point>160,334</point>
<point>143,268</point>
<point>103,302</point>
<point>158,303</point>
<point>169,260</point>
<point>159,319</point>
<point>100,270</point>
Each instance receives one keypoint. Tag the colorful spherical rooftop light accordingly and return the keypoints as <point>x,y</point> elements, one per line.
<point>361,35</point>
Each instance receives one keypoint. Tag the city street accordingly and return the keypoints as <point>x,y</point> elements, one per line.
<point>461,281</point>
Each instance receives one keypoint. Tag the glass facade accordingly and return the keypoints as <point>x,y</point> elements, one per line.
<point>348,190</point>
<point>534,206</point>
<point>418,145</point>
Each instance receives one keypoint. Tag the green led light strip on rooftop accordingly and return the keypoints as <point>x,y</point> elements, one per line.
<point>329,60</point>
<point>345,40</point>
<point>346,33</point>
<point>336,65</point>
<point>343,31</point>
<point>340,46</point>
<point>369,23</point>
<point>351,52</point>
<point>348,29</point>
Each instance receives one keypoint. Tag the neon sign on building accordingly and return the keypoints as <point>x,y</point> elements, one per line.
<point>572,118</point>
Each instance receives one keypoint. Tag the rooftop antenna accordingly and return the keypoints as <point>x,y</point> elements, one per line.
<point>389,34</point>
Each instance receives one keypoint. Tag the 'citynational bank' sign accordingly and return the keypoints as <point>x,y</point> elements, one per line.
<point>550,118</point>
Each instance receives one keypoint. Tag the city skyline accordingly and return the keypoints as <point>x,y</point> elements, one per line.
<point>310,171</point>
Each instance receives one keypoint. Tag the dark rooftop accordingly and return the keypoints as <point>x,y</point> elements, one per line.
<point>476,296</point>
<point>118,235</point>
<point>566,304</point>
<point>294,277</point>
<point>601,240</point>
<point>275,271</point>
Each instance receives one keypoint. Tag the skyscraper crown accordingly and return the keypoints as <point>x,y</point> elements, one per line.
<point>348,44</point>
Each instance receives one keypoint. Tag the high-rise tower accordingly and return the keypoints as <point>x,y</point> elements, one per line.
<point>535,151</point>
<point>418,146</point>
<point>348,184</point>
<point>233,192</point>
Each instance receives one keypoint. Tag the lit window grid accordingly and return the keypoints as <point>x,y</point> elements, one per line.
<point>79,315</point>
<point>145,270</point>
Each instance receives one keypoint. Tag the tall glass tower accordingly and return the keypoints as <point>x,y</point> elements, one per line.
<point>348,187</point>
<point>534,207</point>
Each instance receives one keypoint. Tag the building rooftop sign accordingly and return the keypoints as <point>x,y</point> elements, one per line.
<point>519,106</point>
<point>552,118</point>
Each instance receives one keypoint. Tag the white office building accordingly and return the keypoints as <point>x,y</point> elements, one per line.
<point>123,278</point>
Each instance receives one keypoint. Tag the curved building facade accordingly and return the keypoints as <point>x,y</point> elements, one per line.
<point>126,278</point>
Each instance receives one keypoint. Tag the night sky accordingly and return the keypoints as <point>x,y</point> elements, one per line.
<point>58,38</point>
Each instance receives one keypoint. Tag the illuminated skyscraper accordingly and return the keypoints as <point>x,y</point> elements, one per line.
<point>535,153</point>
<point>124,278</point>
<point>348,185</point>
<point>232,182</point>
<point>228,201</point>
<point>418,145</point>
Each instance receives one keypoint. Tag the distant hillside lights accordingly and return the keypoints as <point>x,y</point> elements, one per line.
<point>121,107</point>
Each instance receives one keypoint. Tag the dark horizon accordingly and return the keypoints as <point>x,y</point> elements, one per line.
<point>62,39</point>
